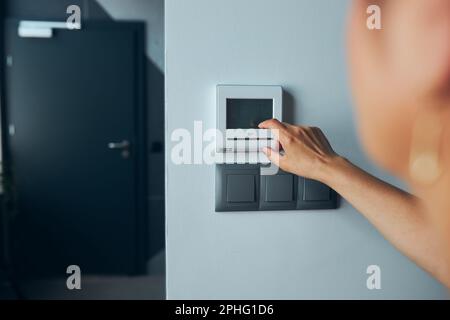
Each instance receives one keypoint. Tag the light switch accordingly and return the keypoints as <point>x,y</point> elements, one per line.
<point>316,191</point>
<point>240,188</point>
<point>244,187</point>
<point>278,192</point>
<point>279,188</point>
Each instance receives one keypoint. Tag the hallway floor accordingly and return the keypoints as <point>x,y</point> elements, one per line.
<point>147,287</point>
<point>98,288</point>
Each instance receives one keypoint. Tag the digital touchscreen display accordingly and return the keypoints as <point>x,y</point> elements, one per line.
<point>248,113</point>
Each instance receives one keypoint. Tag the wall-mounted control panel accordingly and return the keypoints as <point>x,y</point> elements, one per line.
<point>242,182</point>
<point>242,187</point>
<point>239,111</point>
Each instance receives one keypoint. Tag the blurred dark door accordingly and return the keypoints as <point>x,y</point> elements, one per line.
<point>76,148</point>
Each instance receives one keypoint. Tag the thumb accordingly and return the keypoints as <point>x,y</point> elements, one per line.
<point>273,156</point>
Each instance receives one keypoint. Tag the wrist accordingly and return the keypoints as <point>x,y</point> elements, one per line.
<point>332,169</point>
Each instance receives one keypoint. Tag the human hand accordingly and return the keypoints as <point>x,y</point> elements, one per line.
<point>307,151</point>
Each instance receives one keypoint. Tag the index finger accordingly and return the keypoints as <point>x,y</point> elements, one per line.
<point>273,125</point>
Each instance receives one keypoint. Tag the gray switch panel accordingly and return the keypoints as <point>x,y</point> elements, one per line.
<point>243,188</point>
<point>315,191</point>
<point>278,192</point>
<point>237,187</point>
<point>279,188</point>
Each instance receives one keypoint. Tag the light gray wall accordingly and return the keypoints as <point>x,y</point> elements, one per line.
<point>298,44</point>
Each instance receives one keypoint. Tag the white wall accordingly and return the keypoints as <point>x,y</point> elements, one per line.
<point>298,44</point>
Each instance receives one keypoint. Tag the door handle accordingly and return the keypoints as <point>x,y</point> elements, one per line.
<point>119,145</point>
<point>123,145</point>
